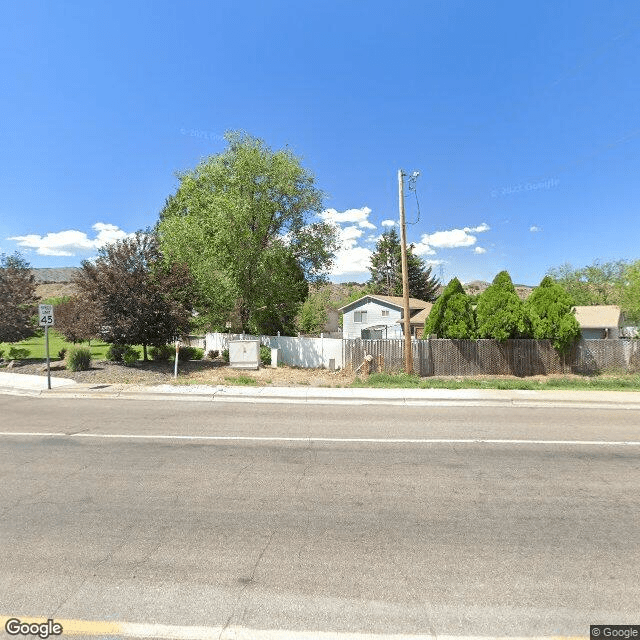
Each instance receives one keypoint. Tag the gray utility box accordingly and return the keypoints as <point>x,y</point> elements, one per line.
<point>244,354</point>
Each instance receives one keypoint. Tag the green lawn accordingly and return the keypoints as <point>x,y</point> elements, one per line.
<point>625,382</point>
<point>36,349</point>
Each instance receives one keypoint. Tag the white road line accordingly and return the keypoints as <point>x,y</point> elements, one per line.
<point>319,439</point>
<point>110,629</point>
<point>242,633</point>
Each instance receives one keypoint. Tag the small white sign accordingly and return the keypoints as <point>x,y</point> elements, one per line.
<point>45,315</point>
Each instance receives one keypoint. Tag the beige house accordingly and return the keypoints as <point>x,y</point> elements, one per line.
<point>418,320</point>
<point>600,321</point>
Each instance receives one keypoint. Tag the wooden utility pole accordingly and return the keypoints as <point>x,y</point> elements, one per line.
<point>408,358</point>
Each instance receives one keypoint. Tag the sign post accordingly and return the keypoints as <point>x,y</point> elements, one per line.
<point>45,316</point>
<point>175,367</point>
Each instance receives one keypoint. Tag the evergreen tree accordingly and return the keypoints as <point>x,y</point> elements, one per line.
<point>386,270</point>
<point>549,308</point>
<point>500,313</point>
<point>452,315</point>
<point>386,265</point>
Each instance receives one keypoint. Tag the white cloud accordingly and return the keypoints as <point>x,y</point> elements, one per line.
<point>355,216</point>
<point>479,250</point>
<point>70,242</point>
<point>388,223</point>
<point>423,249</point>
<point>534,229</point>
<point>450,239</point>
<point>479,229</point>
<point>435,263</point>
<point>350,258</point>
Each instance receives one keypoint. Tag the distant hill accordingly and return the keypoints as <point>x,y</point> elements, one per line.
<point>51,276</point>
<point>475,287</point>
<point>54,283</point>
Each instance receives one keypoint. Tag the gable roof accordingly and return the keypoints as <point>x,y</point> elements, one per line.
<point>598,316</point>
<point>421,316</point>
<point>396,301</point>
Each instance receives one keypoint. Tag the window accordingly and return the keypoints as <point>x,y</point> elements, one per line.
<point>385,313</point>
<point>359,316</point>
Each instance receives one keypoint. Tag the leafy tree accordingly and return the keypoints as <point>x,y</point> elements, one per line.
<point>500,313</point>
<point>630,299</point>
<point>136,296</point>
<point>242,222</point>
<point>17,299</point>
<point>77,319</point>
<point>386,270</point>
<point>597,283</point>
<point>452,315</point>
<point>313,312</point>
<point>549,308</point>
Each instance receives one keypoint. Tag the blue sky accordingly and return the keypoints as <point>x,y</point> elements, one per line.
<point>522,118</point>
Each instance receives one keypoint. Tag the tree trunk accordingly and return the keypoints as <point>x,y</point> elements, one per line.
<point>144,351</point>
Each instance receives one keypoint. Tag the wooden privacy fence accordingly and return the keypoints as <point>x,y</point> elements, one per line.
<point>439,357</point>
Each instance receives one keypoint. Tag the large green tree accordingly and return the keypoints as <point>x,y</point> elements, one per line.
<point>551,316</point>
<point>630,298</point>
<point>136,295</point>
<point>452,315</point>
<point>597,283</point>
<point>386,270</point>
<point>500,313</point>
<point>243,220</point>
<point>17,298</point>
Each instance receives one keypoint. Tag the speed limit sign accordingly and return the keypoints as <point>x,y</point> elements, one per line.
<point>45,315</point>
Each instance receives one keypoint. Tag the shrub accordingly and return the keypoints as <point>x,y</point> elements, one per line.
<point>225,355</point>
<point>190,353</point>
<point>164,352</point>
<point>214,353</point>
<point>1,353</point>
<point>115,352</point>
<point>130,355</point>
<point>79,359</point>
<point>265,355</point>
<point>61,354</point>
<point>18,353</point>
<point>500,313</point>
<point>452,315</point>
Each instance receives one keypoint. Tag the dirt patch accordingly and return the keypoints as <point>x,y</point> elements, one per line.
<point>211,372</point>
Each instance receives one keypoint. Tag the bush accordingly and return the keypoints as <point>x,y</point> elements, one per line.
<point>61,354</point>
<point>1,353</point>
<point>18,353</point>
<point>164,352</point>
<point>79,359</point>
<point>265,355</point>
<point>225,355</point>
<point>130,355</point>
<point>190,353</point>
<point>115,352</point>
<point>214,353</point>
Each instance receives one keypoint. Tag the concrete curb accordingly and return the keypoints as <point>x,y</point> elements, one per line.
<point>346,396</point>
<point>36,386</point>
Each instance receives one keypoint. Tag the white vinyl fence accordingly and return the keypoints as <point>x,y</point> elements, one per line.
<point>309,353</point>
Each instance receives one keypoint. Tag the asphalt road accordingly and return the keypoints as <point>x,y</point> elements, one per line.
<point>300,526</point>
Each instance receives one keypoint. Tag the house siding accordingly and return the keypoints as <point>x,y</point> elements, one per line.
<point>374,308</point>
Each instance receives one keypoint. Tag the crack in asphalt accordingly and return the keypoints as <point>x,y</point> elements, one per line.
<point>247,582</point>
